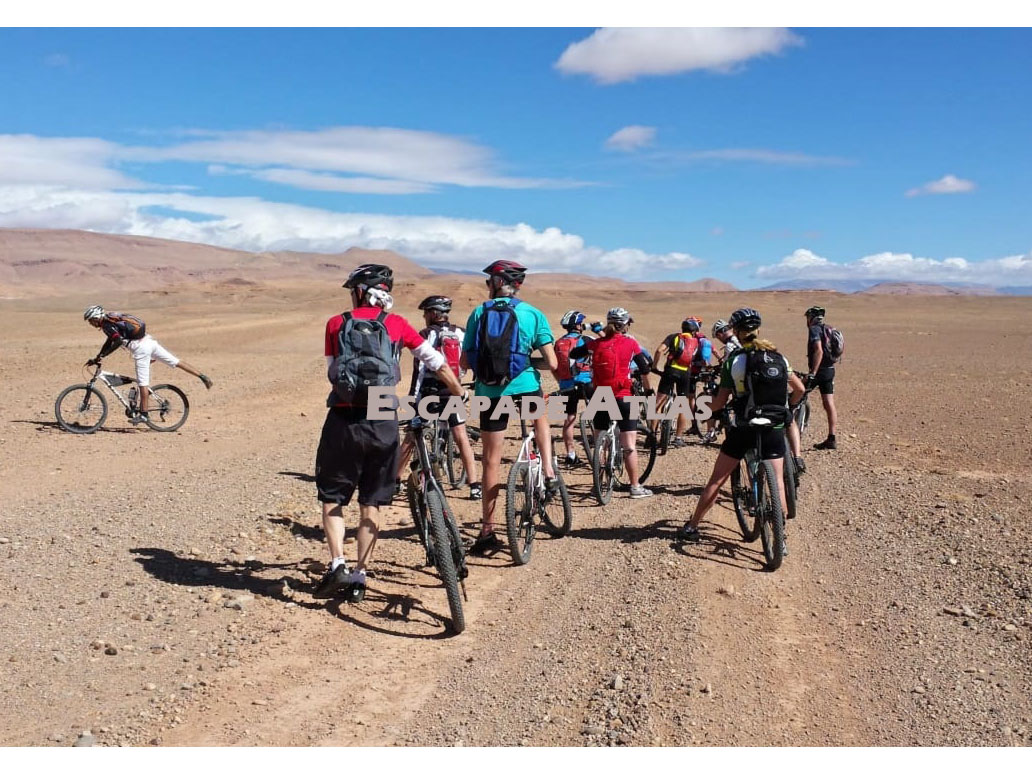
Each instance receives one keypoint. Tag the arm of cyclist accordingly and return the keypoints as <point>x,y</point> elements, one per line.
<point>798,389</point>
<point>433,360</point>
<point>644,363</point>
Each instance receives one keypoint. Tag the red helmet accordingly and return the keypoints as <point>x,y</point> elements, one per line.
<point>511,272</point>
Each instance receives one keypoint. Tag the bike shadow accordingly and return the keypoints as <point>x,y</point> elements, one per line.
<point>240,576</point>
<point>394,607</point>
<point>687,491</point>
<point>723,545</point>
<point>45,427</point>
<point>308,478</point>
<point>630,533</point>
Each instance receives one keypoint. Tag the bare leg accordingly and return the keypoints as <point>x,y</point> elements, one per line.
<point>493,441</point>
<point>629,442</point>
<point>194,372</point>
<point>543,434</point>
<point>465,452</point>
<point>721,470</point>
<point>333,526</point>
<point>568,423</point>
<point>368,529</point>
<point>829,409</point>
<point>405,454</point>
<point>793,438</point>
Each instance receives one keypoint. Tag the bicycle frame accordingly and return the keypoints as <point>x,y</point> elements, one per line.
<point>108,379</point>
<point>422,468</point>
<point>529,453</point>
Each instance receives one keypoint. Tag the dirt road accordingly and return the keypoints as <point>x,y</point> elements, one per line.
<point>156,588</point>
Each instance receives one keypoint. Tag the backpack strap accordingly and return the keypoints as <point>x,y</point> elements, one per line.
<point>382,316</point>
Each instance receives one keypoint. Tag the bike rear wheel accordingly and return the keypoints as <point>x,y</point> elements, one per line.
<point>519,512</point>
<point>557,516</point>
<point>80,409</point>
<point>453,462</point>
<point>665,430</point>
<point>444,556</point>
<point>740,498</point>
<point>587,435</point>
<point>169,408</point>
<point>772,518</point>
<point>602,466</point>
<point>648,448</point>
<point>790,482</point>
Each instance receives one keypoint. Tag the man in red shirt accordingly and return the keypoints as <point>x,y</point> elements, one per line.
<point>611,357</point>
<point>356,452</point>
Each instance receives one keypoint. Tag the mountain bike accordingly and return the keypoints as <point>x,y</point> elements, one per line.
<point>757,503</point>
<point>446,451</point>
<point>434,521</point>
<point>528,503</point>
<point>801,413</point>
<point>82,408</point>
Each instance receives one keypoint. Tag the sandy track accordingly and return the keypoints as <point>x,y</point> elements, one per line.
<point>140,541</point>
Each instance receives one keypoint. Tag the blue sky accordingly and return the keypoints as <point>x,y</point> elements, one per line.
<point>748,155</point>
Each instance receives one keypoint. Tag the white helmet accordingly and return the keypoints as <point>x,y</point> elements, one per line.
<point>93,313</point>
<point>618,315</point>
<point>720,325</point>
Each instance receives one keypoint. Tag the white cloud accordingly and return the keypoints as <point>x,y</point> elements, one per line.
<point>631,138</point>
<point>382,152</point>
<point>254,224</point>
<point>319,181</point>
<point>737,265</point>
<point>82,162</point>
<point>947,184</point>
<point>756,155</point>
<point>617,54</point>
<point>902,267</point>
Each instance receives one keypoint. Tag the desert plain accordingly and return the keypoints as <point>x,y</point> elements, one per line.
<point>156,587</point>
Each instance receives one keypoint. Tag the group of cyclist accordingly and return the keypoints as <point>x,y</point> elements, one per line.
<point>363,345</point>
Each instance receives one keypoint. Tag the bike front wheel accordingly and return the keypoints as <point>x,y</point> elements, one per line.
<point>453,463</point>
<point>444,556</point>
<point>602,469</point>
<point>169,408</point>
<point>557,515</point>
<point>772,517</point>
<point>80,409</point>
<point>740,498</point>
<point>519,512</point>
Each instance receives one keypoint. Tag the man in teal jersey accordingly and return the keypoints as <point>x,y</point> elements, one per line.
<point>504,281</point>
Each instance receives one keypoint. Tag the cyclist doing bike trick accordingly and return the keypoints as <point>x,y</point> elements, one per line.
<point>129,331</point>
<point>754,377</point>
<point>447,339</point>
<point>574,376</point>
<point>501,334</point>
<point>611,357</point>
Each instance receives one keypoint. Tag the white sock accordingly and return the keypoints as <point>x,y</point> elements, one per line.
<point>337,562</point>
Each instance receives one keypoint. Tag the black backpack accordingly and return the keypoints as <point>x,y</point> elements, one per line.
<point>366,358</point>
<point>766,377</point>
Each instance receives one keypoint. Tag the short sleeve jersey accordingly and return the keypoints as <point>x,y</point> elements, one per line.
<point>534,333</point>
<point>815,336</point>
<point>398,328</point>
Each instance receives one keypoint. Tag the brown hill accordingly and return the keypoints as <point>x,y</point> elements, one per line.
<point>924,289</point>
<point>54,262</point>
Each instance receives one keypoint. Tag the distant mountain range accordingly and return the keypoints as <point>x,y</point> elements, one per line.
<point>894,287</point>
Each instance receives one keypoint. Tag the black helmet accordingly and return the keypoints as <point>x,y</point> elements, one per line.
<point>436,304</point>
<point>511,272</point>
<point>745,319</point>
<point>815,311</point>
<point>371,275</point>
<point>690,325</point>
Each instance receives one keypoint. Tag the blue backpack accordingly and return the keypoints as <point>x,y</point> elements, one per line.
<point>496,358</point>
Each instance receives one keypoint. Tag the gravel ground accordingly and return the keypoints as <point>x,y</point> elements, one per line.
<point>160,584</point>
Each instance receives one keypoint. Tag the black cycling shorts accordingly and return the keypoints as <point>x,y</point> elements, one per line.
<point>356,453</point>
<point>581,391</point>
<point>825,380</point>
<point>488,425</point>
<point>627,422</point>
<point>677,382</point>
<point>435,407</point>
<point>739,440</point>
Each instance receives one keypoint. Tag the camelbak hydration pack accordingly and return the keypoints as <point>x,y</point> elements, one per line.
<point>365,359</point>
<point>496,358</point>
